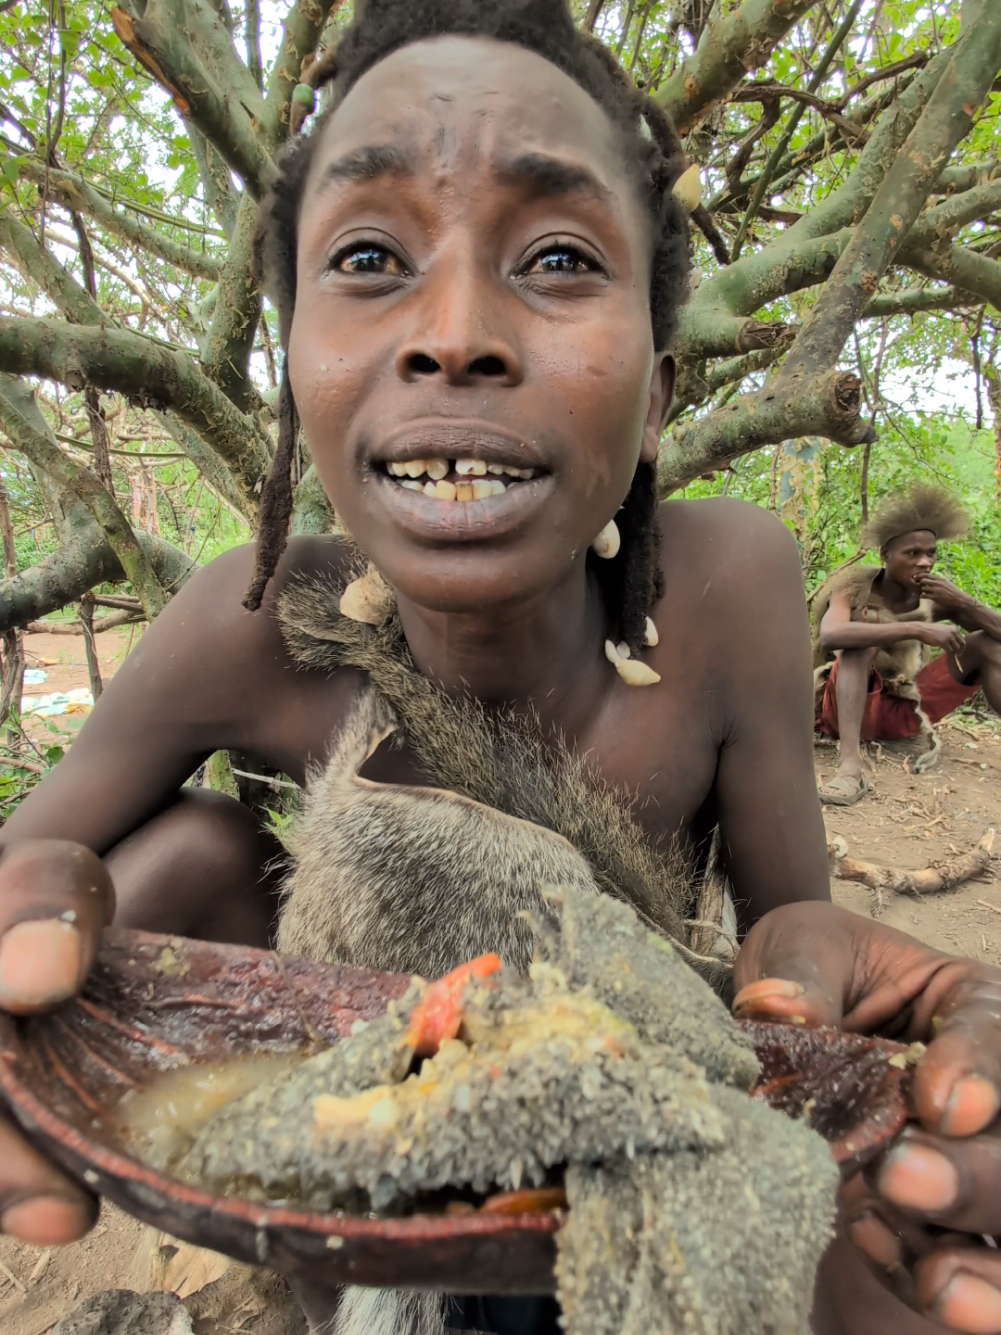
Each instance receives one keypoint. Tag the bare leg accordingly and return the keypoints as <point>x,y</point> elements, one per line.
<point>202,868</point>
<point>981,654</point>
<point>851,689</point>
<point>319,1306</point>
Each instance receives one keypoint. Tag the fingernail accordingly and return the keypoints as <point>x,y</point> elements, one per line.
<point>40,963</point>
<point>766,989</point>
<point>972,1105</point>
<point>880,1243</point>
<point>970,1304</point>
<point>47,1221</point>
<point>917,1178</point>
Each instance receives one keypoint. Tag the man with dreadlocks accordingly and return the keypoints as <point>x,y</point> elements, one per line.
<point>478,261</point>
<point>874,628</point>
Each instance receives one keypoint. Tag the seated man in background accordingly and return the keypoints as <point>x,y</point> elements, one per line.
<point>874,628</point>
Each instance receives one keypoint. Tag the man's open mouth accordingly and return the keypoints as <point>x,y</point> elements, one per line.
<point>443,479</point>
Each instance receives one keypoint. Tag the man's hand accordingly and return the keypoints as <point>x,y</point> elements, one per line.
<point>55,899</point>
<point>818,964</point>
<point>944,594</point>
<point>940,636</point>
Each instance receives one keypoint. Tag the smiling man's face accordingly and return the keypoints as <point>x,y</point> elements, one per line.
<point>471,350</point>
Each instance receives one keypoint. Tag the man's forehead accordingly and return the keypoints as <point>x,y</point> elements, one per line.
<point>442,106</point>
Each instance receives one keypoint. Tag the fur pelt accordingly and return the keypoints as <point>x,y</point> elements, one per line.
<point>498,760</point>
<point>920,507</point>
<point>380,870</point>
<point>389,1312</point>
<point>412,880</point>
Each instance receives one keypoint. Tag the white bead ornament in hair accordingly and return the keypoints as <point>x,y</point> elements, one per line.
<point>631,670</point>
<point>607,543</point>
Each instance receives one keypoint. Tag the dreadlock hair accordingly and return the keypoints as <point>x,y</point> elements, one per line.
<point>917,508</point>
<point>631,583</point>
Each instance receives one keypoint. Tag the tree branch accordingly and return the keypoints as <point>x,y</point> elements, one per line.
<point>185,47</point>
<point>845,205</point>
<point>229,343</point>
<point>730,46</point>
<point>958,210</point>
<point>825,405</point>
<point>146,372</point>
<point>954,179</point>
<point>252,38</point>
<point>964,268</point>
<point>303,25</point>
<point>75,194</point>
<point>220,194</point>
<point>913,300</point>
<point>708,329</point>
<point>83,560</point>
<point>20,420</point>
<point>946,119</point>
<point>779,151</point>
<point>42,267</point>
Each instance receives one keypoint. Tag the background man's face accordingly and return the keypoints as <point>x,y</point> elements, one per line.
<point>910,556</point>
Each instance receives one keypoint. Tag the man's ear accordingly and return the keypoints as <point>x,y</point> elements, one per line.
<point>661,397</point>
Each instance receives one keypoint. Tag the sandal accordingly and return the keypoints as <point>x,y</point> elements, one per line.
<point>844,790</point>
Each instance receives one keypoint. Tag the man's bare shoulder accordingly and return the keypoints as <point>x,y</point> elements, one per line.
<point>733,543</point>
<point>211,603</point>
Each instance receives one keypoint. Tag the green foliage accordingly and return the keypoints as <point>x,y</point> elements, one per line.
<point>829,497</point>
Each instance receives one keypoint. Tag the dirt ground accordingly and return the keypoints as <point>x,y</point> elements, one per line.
<point>909,820</point>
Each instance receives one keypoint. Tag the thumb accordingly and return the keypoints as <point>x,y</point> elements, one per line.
<point>795,966</point>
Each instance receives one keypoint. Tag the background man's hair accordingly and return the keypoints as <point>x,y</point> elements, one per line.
<point>918,508</point>
<point>632,581</point>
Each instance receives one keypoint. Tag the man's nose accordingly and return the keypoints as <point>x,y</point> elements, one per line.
<point>463,328</point>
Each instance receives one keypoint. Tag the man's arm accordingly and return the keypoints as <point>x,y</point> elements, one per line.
<point>773,837</point>
<point>177,697</point>
<point>952,604</point>
<point>839,631</point>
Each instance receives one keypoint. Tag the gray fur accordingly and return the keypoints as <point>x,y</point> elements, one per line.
<point>379,870</point>
<point>498,760</point>
<point>412,880</point>
<point>389,1312</point>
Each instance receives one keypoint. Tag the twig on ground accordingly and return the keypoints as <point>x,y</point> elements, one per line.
<point>984,905</point>
<point>9,1275</point>
<point>41,1265</point>
<point>903,881</point>
<point>264,778</point>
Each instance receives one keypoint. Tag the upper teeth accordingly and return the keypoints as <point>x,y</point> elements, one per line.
<point>438,469</point>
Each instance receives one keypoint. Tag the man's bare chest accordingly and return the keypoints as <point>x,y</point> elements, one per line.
<point>657,744</point>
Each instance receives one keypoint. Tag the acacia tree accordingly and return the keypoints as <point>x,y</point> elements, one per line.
<point>844,178</point>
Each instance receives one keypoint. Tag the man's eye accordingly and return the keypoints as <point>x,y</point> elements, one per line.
<point>561,259</point>
<point>368,257</point>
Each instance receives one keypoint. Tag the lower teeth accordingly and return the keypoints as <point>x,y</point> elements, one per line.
<point>478,489</point>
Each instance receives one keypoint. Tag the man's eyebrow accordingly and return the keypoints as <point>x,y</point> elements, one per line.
<point>545,175</point>
<point>366,164</point>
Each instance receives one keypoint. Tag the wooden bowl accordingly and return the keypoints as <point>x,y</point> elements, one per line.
<point>155,1003</point>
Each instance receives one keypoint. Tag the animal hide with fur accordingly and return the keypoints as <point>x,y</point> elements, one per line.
<point>412,880</point>
<point>499,761</point>
<point>420,879</point>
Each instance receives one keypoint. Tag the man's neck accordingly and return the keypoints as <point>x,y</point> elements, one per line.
<point>896,596</point>
<point>546,651</point>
